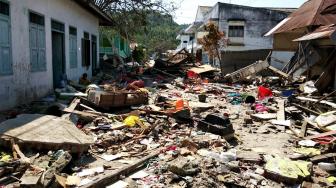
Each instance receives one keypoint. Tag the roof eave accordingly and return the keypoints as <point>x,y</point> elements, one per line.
<point>104,19</point>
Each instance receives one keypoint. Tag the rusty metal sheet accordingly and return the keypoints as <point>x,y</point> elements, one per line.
<point>311,13</point>
<point>320,33</point>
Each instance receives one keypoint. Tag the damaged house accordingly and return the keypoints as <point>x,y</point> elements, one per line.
<point>43,40</point>
<point>245,28</point>
<point>311,33</point>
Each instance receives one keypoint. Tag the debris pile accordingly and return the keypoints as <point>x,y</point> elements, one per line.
<point>180,133</point>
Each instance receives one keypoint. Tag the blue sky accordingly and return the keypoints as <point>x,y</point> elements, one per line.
<point>187,8</point>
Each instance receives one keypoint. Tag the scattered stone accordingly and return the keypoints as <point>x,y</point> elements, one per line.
<point>183,167</point>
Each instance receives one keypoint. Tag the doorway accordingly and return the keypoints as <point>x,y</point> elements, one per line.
<point>58,53</point>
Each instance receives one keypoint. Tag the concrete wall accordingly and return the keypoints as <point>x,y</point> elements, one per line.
<point>258,21</point>
<point>23,85</point>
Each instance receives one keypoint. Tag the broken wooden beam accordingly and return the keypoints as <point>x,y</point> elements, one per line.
<point>307,109</point>
<point>110,178</point>
<point>323,157</point>
<point>281,111</point>
<point>320,135</point>
<point>62,161</point>
<point>279,72</point>
<point>304,129</point>
<point>315,100</point>
<point>247,71</point>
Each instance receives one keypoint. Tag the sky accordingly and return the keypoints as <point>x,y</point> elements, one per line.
<point>187,9</point>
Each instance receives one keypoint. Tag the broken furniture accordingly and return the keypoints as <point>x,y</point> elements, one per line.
<point>109,99</point>
<point>216,125</point>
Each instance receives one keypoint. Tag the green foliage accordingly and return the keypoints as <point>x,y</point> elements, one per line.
<point>159,34</point>
<point>138,54</point>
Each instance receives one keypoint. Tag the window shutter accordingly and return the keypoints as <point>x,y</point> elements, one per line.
<point>5,48</point>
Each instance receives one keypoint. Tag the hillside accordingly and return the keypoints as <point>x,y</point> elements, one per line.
<point>160,33</point>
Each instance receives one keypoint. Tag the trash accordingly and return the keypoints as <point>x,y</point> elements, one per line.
<point>264,92</point>
<point>308,87</point>
<point>307,143</point>
<point>286,123</point>
<point>202,98</point>
<point>183,167</point>
<point>139,175</point>
<point>131,121</point>
<point>286,170</point>
<point>90,171</point>
<point>217,125</point>
<point>326,119</point>
<point>118,184</point>
<point>327,166</point>
<point>4,157</point>
<point>110,157</point>
<point>310,152</point>
<point>331,179</point>
<point>224,157</point>
<point>267,116</point>
<point>260,108</point>
<point>73,181</point>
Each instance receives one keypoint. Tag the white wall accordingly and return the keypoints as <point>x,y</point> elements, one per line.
<point>252,41</point>
<point>23,85</point>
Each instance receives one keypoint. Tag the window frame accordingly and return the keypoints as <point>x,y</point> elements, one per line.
<point>71,37</point>
<point>10,43</point>
<point>86,53</point>
<point>38,68</point>
<point>236,34</point>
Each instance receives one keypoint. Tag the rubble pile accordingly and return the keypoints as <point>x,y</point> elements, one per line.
<point>178,133</point>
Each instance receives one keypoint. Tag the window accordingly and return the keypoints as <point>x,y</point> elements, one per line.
<point>57,26</point>
<point>236,31</point>
<point>73,47</point>
<point>86,50</point>
<point>86,35</point>
<point>4,8</point>
<point>94,52</point>
<point>37,42</point>
<point>5,42</point>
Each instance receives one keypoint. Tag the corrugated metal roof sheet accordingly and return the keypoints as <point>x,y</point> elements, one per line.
<point>320,33</point>
<point>311,13</point>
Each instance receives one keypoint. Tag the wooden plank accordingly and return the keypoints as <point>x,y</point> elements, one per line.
<point>87,115</point>
<point>304,129</point>
<point>110,178</point>
<point>281,111</point>
<point>323,157</point>
<point>56,167</point>
<point>307,109</point>
<point>279,72</point>
<point>19,152</point>
<point>71,108</point>
<point>315,100</point>
<point>31,178</point>
<point>264,116</point>
<point>320,135</point>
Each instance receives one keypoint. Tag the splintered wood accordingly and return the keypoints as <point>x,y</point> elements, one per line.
<point>281,111</point>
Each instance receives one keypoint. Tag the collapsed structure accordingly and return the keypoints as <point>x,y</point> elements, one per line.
<point>311,32</point>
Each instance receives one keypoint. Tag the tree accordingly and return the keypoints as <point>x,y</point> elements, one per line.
<point>213,41</point>
<point>129,15</point>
